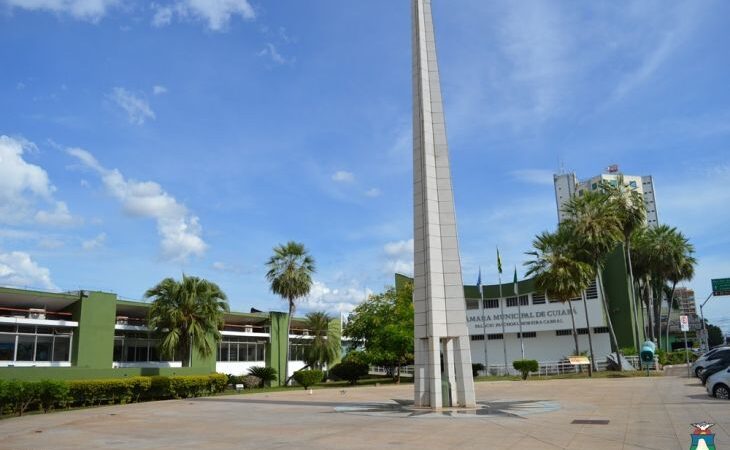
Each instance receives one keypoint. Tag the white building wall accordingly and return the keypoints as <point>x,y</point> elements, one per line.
<point>237,368</point>
<point>565,185</point>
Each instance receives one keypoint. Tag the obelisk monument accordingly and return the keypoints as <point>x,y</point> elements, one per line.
<point>441,336</point>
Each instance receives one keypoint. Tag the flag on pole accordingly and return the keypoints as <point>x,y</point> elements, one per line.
<point>499,262</point>
<point>479,279</point>
<point>516,289</point>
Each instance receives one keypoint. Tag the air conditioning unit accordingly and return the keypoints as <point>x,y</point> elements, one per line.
<point>36,313</point>
<point>122,320</point>
<point>248,329</point>
<point>305,332</point>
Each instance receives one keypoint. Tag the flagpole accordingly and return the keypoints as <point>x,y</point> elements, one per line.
<point>504,336</point>
<point>519,313</point>
<point>484,324</point>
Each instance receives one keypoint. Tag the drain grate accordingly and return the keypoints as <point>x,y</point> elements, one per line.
<point>590,422</point>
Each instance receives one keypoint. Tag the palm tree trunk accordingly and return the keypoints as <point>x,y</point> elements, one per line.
<point>657,305</point>
<point>633,295</point>
<point>649,316</point>
<point>575,331</point>
<point>607,312</point>
<point>669,313</point>
<point>592,365</point>
<point>288,332</point>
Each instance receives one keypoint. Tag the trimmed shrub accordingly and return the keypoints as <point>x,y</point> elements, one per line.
<point>678,357</point>
<point>19,395</point>
<point>265,374</point>
<point>218,382</point>
<point>350,371</point>
<point>307,378</point>
<point>250,382</point>
<point>475,368</point>
<point>525,366</point>
<point>52,394</point>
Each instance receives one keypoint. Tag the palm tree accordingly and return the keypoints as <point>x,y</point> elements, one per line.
<point>558,273</point>
<point>641,266</point>
<point>596,227</point>
<point>629,205</point>
<point>680,267</point>
<point>324,346</point>
<point>186,314</point>
<point>290,274</point>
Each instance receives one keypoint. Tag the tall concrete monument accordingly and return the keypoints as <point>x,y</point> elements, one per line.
<point>442,337</point>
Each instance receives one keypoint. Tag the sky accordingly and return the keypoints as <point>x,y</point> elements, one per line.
<point>144,140</point>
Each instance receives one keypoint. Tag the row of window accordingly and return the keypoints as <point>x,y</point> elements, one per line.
<point>533,334</point>
<point>241,349</point>
<point>35,344</point>
<point>524,300</point>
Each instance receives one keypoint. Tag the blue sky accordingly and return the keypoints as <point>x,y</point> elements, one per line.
<point>143,140</point>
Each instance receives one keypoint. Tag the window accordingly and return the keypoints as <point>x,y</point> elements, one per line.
<point>495,337</point>
<point>527,334</point>
<point>538,299</point>
<point>600,330</point>
<point>592,291</point>
<point>633,184</point>
<point>614,183</point>
<point>524,300</point>
<point>594,186</point>
<point>7,347</point>
<point>25,348</point>
<point>511,302</point>
<point>477,337</point>
<point>35,343</point>
<point>247,349</point>
<point>582,331</point>
<point>491,303</point>
<point>472,304</point>
<point>563,332</point>
<point>297,351</point>
<point>137,347</point>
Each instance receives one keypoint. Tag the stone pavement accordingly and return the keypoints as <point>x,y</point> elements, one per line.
<point>643,413</point>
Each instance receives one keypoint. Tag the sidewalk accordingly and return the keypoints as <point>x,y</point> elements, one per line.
<point>642,413</point>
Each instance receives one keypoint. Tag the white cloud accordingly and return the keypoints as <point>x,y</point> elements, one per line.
<point>94,243</point>
<point>373,192</point>
<point>342,176</point>
<point>159,89</point>
<point>271,51</point>
<point>91,10</point>
<point>179,229</point>
<point>534,176</point>
<point>17,269</point>
<point>399,257</point>
<point>138,109</point>
<point>328,299</point>
<point>24,185</point>
<point>217,13</point>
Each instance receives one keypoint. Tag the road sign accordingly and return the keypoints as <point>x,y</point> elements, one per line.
<point>721,286</point>
<point>684,323</point>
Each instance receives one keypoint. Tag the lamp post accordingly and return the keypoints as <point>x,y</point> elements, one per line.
<point>705,338</point>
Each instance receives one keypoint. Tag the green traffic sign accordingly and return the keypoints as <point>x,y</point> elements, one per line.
<point>721,286</point>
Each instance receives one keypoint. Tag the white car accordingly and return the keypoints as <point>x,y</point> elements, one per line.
<point>718,385</point>
<point>707,359</point>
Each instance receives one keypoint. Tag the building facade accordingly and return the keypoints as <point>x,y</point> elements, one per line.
<point>89,334</point>
<point>568,186</point>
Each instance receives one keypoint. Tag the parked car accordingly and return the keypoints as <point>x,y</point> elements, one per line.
<point>717,365</point>
<point>707,359</point>
<point>718,385</point>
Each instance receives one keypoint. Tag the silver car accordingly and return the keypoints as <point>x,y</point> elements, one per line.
<point>718,385</point>
<point>707,359</point>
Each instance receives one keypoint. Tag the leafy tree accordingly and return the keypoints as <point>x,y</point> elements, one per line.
<point>596,227</point>
<point>324,347</point>
<point>558,273</point>
<point>383,326</point>
<point>290,275</point>
<point>714,335</point>
<point>186,314</point>
<point>525,366</point>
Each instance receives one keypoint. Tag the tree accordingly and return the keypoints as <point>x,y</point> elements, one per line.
<point>629,205</point>
<point>186,314</point>
<point>290,275</point>
<point>558,273</point>
<point>682,268</point>
<point>596,228</point>
<point>714,336</point>
<point>383,326</point>
<point>324,346</point>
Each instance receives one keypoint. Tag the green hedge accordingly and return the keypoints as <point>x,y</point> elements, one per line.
<point>17,397</point>
<point>351,371</point>
<point>677,357</point>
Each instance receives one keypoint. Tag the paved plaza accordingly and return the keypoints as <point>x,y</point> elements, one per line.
<point>642,413</point>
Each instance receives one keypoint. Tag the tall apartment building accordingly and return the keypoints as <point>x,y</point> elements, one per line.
<point>567,186</point>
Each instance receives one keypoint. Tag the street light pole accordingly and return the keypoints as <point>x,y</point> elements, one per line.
<point>705,337</point>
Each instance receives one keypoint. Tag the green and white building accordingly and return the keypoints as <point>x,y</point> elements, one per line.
<point>90,334</point>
